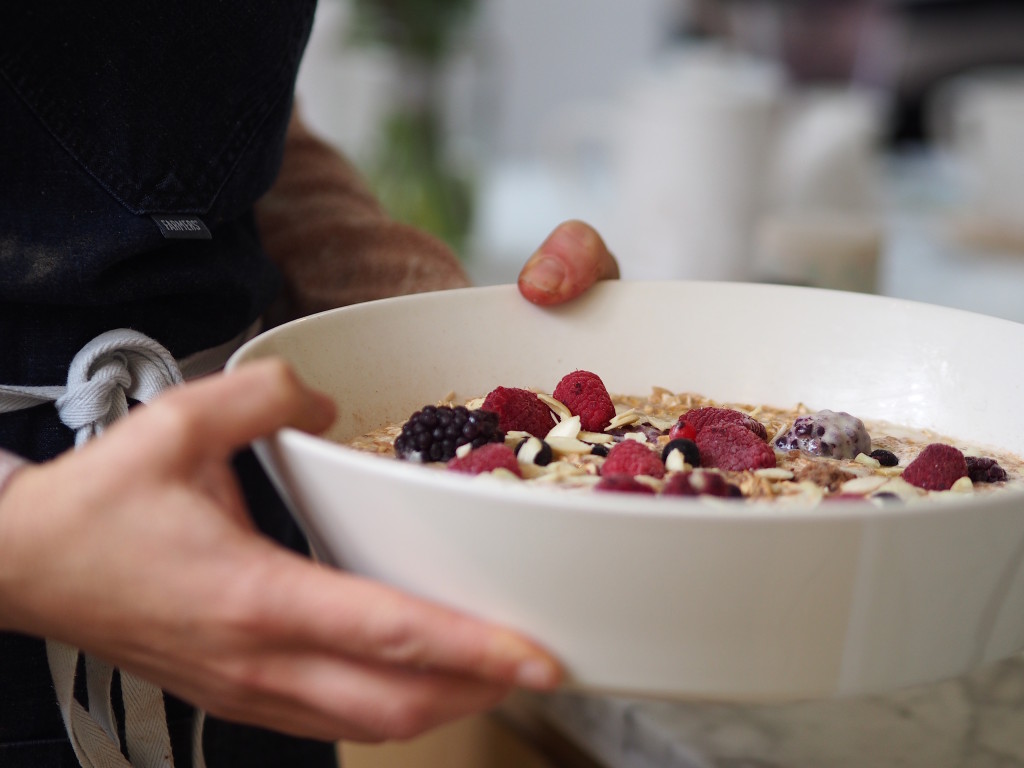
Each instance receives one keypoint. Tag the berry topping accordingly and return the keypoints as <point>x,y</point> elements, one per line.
<point>984,470</point>
<point>585,395</point>
<point>632,458</point>
<point>487,458</point>
<point>884,457</point>
<point>434,432</point>
<point>733,447</point>
<point>533,450</point>
<point>622,484</point>
<point>700,483</point>
<point>682,431</point>
<point>699,418</point>
<point>688,448</point>
<point>599,450</point>
<point>936,468</point>
<point>519,410</point>
<point>831,434</point>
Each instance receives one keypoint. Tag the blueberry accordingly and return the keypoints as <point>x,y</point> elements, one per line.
<point>691,454</point>
<point>540,450</point>
<point>884,457</point>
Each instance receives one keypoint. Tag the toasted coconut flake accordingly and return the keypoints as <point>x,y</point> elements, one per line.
<point>663,424</point>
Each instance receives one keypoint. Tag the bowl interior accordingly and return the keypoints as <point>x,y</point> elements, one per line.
<point>909,363</point>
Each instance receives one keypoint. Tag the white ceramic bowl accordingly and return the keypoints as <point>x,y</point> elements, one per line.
<point>671,597</point>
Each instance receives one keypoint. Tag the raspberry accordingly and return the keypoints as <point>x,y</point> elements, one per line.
<point>936,468</point>
<point>434,432</point>
<point>519,410</point>
<point>585,395</point>
<point>836,435</point>
<point>699,418</point>
<point>632,458</point>
<point>733,447</point>
<point>984,470</point>
<point>700,484</point>
<point>623,484</point>
<point>487,458</point>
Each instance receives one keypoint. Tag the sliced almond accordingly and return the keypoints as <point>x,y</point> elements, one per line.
<point>774,473</point>
<point>569,427</point>
<point>867,461</point>
<point>561,409</point>
<point>863,485</point>
<point>624,419</point>
<point>565,446</point>
<point>963,485</point>
<point>676,462</point>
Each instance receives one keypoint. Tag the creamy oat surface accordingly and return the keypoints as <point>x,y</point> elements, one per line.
<point>798,478</point>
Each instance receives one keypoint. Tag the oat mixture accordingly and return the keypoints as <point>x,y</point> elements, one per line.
<point>869,462</point>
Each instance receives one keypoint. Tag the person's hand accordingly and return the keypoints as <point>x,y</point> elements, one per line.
<point>568,262</point>
<point>138,550</point>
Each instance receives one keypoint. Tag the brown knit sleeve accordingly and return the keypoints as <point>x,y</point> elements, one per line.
<point>332,241</point>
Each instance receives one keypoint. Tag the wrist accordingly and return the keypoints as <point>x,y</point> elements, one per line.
<point>10,466</point>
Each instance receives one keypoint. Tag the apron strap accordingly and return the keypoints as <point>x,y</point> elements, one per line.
<point>108,371</point>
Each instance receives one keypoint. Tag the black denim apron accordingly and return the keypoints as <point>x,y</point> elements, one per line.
<point>110,114</point>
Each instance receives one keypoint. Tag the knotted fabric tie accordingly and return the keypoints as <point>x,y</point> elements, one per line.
<point>107,373</point>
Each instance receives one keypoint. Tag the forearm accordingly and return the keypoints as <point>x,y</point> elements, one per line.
<point>332,240</point>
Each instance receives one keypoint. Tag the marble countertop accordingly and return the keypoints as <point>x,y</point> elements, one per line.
<point>972,722</point>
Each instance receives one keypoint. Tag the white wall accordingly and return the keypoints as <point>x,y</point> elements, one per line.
<point>533,55</point>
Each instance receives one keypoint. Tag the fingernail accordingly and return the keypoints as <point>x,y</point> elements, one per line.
<point>546,275</point>
<point>537,673</point>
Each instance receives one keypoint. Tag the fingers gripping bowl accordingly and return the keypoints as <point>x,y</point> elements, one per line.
<point>676,597</point>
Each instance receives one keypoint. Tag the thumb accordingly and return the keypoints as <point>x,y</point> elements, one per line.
<point>226,411</point>
<point>568,262</point>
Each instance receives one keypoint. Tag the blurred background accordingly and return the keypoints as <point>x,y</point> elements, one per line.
<point>868,145</point>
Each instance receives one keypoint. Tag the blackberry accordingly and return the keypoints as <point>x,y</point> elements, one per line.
<point>884,457</point>
<point>435,432</point>
<point>691,454</point>
<point>984,470</point>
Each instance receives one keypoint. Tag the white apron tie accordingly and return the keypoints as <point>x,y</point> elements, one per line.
<point>115,367</point>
